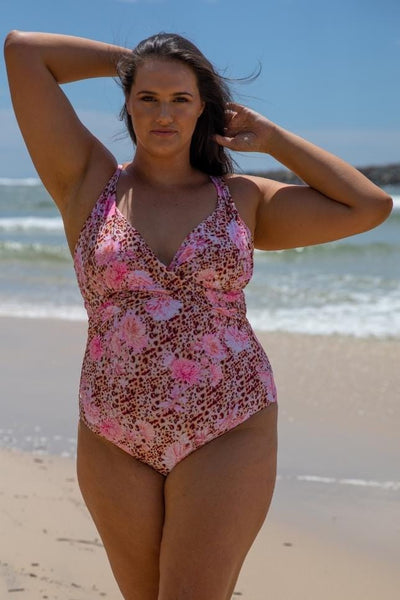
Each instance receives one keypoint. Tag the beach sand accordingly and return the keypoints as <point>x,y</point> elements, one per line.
<point>333,530</point>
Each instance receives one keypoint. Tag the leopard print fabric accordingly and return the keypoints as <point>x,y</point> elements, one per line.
<point>171,361</point>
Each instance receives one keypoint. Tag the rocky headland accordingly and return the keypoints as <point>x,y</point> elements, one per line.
<point>379,174</point>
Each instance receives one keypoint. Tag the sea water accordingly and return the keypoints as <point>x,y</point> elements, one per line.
<point>349,287</point>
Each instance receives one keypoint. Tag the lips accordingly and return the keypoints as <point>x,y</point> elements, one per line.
<point>166,132</point>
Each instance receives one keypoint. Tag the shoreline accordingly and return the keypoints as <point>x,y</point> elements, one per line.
<point>53,549</point>
<point>332,530</point>
<point>321,373</point>
<point>79,317</point>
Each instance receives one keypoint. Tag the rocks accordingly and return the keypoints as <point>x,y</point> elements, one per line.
<point>379,174</point>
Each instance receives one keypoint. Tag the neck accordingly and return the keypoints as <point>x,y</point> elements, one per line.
<point>165,172</point>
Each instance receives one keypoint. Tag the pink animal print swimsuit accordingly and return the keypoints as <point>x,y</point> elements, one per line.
<point>171,360</point>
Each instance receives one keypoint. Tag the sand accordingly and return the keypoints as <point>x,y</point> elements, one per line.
<point>333,530</point>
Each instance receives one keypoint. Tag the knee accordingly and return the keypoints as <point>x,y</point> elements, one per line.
<point>202,583</point>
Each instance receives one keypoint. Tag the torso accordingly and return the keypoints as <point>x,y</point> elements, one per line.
<point>165,339</point>
<point>163,221</point>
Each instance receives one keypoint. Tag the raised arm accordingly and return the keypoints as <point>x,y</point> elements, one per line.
<point>61,148</point>
<point>337,201</point>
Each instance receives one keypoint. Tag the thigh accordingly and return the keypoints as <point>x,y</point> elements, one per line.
<point>126,500</point>
<point>216,501</point>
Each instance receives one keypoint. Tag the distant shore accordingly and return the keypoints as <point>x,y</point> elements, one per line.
<point>378,174</point>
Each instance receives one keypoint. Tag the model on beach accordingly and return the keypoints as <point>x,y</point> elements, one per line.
<point>177,435</point>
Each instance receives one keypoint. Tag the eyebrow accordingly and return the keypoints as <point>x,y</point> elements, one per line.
<point>174,94</point>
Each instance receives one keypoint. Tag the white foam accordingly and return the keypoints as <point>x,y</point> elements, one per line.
<point>381,320</point>
<point>42,311</point>
<point>22,181</point>
<point>383,485</point>
<point>396,203</point>
<point>18,248</point>
<point>31,223</point>
<point>378,317</point>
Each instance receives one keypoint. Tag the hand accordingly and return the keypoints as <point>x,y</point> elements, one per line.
<point>246,130</point>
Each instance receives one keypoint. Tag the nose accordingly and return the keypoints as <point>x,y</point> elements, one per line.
<point>164,116</point>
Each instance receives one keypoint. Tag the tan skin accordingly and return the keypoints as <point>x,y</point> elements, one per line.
<point>184,536</point>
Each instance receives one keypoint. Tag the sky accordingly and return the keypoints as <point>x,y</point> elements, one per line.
<point>330,69</point>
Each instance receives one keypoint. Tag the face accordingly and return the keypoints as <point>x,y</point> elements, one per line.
<point>164,104</point>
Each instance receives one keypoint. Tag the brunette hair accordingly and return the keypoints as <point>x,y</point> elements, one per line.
<point>205,154</point>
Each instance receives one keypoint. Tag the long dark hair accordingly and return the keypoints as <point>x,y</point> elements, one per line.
<point>205,154</point>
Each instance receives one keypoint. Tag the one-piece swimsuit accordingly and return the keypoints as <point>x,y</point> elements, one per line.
<point>171,360</point>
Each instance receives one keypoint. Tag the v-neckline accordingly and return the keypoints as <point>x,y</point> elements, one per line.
<point>186,239</point>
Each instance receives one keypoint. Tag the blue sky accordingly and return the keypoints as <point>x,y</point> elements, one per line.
<point>330,70</point>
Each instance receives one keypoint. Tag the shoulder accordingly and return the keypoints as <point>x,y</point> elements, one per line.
<point>248,193</point>
<point>252,186</point>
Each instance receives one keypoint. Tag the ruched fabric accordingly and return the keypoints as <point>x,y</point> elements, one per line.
<point>171,361</point>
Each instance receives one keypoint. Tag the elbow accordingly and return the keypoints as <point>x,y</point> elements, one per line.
<point>12,44</point>
<point>377,210</point>
<point>12,40</point>
<point>384,207</point>
<point>16,41</point>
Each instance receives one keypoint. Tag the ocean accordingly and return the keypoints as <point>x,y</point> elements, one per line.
<point>349,287</point>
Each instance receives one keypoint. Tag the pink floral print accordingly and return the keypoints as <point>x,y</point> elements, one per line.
<point>212,346</point>
<point>95,348</point>
<point>236,339</point>
<point>171,360</point>
<point>132,331</point>
<point>110,429</point>
<point>185,370</point>
<point>176,452</point>
<point>163,308</point>
<point>114,274</point>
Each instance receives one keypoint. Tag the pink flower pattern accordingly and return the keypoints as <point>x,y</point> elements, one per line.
<point>163,308</point>
<point>216,374</point>
<point>108,310</point>
<point>177,451</point>
<point>141,280</point>
<point>171,361</point>
<point>212,346</point>
<point>110,428</point>
<point>186,371</point>
<point>107,251</point>
<point>114,274</point>
<point>95,348</point>
<point>238,235</point>
<point>146,431</point>
<point>236,339</point>
<point>132,331</point>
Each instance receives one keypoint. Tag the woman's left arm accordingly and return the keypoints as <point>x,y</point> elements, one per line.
<point>338,201</point>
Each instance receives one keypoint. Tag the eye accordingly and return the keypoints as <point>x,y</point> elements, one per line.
<point>147,98</point>
<point>181,99</point>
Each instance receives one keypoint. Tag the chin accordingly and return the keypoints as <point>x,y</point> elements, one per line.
<point>163,149</point>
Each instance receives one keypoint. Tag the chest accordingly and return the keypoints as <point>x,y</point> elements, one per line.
<point>166,222</point>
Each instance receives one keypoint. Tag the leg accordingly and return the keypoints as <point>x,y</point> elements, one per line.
<point>216,501</point>
<point>126,500</point>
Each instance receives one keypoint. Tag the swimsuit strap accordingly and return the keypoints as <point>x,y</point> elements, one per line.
<point>222,188</point>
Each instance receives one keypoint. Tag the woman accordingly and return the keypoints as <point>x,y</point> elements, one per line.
<point>177,434</point>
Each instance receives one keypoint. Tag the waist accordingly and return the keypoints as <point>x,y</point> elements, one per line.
<point>161,306</point>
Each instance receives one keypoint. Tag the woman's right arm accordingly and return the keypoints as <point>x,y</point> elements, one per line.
<point>61,147</point>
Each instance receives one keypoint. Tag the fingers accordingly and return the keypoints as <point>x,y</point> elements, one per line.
<point>222,140</point>
<point>234,106</point>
